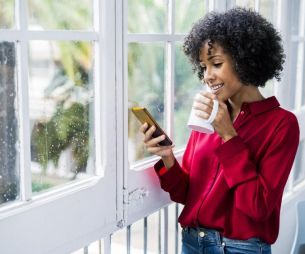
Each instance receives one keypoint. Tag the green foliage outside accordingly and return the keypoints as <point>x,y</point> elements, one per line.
<point>37,187</point>
<point>6,14</point>
<point>147,16</point>
<point>61,15</point>
<point>146,80</point>
<point>147,68</point>
<point>187,84</point>
<point>69,126</point>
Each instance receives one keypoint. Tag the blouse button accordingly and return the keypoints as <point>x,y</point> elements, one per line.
<point>242,112</point>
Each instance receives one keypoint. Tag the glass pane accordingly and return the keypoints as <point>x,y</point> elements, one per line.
<point>145,88</point>
<point>187,12</point>
<point>299,163</point>
<point>147,16</point>
<point>296,51</point>
<point>9,155</point>
<point>296,12</point>
<point>7,19</point>
<point>268,90</point>
<point>60,96</point>
<point>268,10</point>
<point>303,94</point>
<point>246,3</point>
<point>186,86</point>
<point>64,14</point>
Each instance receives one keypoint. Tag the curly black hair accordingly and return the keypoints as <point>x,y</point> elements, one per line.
<point>252,42</point>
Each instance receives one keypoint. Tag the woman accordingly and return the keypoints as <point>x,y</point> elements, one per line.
<point>231,182</point>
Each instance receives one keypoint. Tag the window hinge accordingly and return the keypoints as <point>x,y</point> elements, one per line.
<point>131,198</point>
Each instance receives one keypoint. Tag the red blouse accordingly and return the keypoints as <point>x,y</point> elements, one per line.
<point>236,187</point>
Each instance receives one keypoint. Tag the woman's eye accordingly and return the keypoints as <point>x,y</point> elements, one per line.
<point>217,65</point>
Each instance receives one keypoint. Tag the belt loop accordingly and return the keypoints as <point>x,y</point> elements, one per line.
<point>186,229</point>
<point>219,239</point>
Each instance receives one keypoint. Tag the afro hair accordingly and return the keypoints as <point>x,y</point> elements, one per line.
<point>251,41</point>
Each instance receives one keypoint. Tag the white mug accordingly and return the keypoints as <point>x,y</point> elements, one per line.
<point>203,125</point>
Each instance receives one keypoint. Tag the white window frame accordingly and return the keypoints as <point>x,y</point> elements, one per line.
<point>141,177</point>
<point>71,216</point>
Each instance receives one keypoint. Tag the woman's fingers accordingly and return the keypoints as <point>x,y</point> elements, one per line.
<point>157,149</point>
<point>208,95</point>
<point>202,114</point>
<point>203,100</point>
<point>152,144</point>
<point>203,104</point>
<point>154,141</point>
<point>143,128</point>
<point>148,133</point>
<point>205,109</point>
<point>149,140</point>
<point>160,150</point>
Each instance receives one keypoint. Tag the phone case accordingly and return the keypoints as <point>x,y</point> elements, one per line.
<point>145,117</point>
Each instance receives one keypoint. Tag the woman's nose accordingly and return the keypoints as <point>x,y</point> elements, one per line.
<point>209,75</point>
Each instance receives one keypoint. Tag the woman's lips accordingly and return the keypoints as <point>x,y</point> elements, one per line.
<point>215,88</point>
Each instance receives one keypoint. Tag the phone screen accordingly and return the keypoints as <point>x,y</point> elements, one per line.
<point>145,117</point>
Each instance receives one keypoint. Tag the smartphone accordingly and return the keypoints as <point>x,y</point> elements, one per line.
<point>145,117</point>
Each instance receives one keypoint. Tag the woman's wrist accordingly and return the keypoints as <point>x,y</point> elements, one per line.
<point>226,137</point>
<point>168,161</point>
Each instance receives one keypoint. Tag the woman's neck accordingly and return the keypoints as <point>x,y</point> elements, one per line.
<point>247,94</point>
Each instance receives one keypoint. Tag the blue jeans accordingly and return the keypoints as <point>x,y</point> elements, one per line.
<point>207,241</point>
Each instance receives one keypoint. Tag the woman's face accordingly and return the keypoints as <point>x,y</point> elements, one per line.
<point>219,73</point>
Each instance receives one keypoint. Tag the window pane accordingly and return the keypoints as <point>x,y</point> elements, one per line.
<point>9,168</point>
<point>187,12</point>
<point>186,86</point>
<point>293,56</point>
<point>296,14</point>
<point>303,94</point>
<point>147,16</point>
<point>64,14</point>
<point>60,95</point>
<point>268,90</point>
<point>7,19</point>
<point>299,169</point>
<point>145,88</point>
<point>268,9</point>
<point>246,3</point>
<point>296,51</point>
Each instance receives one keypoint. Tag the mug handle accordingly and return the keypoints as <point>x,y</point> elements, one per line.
<point>214,111</point>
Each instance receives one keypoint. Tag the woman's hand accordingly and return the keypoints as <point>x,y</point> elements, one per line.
<point>152,145</point>
<point>222,123</point>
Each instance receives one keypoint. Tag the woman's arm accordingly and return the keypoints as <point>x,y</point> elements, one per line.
<point>258,186</point>
<point>175,180</point>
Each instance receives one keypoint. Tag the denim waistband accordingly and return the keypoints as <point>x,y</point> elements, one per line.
<point>208,234</point>
<point>214,236</point>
